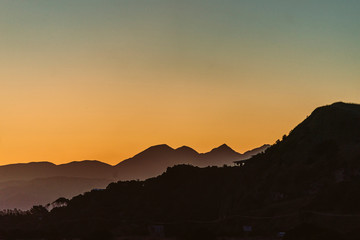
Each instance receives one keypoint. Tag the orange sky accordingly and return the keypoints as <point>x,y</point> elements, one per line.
<point>107,80</point>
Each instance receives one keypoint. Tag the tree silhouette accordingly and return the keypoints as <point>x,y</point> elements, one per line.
<point>60,202</point>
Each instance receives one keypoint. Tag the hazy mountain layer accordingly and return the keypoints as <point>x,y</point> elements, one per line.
<point>25,185</point>
<point>25,194</point>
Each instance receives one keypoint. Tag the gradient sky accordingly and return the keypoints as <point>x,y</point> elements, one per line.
<point>106,79</point>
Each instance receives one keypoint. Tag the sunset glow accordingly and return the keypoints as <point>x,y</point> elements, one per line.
<point>106,79</point>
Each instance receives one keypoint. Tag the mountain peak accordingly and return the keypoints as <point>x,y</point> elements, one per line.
<point>339,106</point>
<point>155,150</point>
<point>224,148</point>
<point>183,148</point>
<point>86,163</point>
<point>332,121</point>
<point>324,135</point>
<point>343,104</point>
<point>159,147</point>
<point>186,149</point>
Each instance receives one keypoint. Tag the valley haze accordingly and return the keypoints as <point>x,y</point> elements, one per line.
<point>24,185</point>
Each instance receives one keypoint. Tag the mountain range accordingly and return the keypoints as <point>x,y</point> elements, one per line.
<point>26,184</point>
<point>306,186</point>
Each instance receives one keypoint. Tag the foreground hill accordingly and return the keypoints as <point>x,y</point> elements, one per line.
<point>25,185</point>
<point>320,153</point>
<point>308,185</point>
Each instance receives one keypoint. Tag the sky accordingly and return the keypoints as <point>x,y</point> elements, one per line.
<point>106,79</point>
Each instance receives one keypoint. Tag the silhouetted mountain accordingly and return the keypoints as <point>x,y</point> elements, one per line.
<point>87,169</point>
<point>82,169</point>
<point>154,160</point>
<point>308,181</point>
<point>187,150</point>
<point>151,162</point>
<point>218,157</point>
<point>222,151</point>
<point>321,154</point>
<point>329,132</point>
<point>25,171</point>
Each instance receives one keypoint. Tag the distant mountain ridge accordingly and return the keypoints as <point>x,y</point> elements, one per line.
<point>154,160</point>
<point>19,181</point>
<point>32,170</point>
<point>156,157</point>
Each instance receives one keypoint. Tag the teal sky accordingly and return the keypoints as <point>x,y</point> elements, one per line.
<point>105,79</point>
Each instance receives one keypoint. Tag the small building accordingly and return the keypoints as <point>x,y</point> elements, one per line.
<point>240,162</point>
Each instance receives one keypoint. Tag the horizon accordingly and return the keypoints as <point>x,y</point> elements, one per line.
<point>164,144</point>
<point>106,80</point>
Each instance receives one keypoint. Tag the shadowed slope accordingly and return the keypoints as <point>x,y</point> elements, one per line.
<point>319,154</point>
<point>255,151</point>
